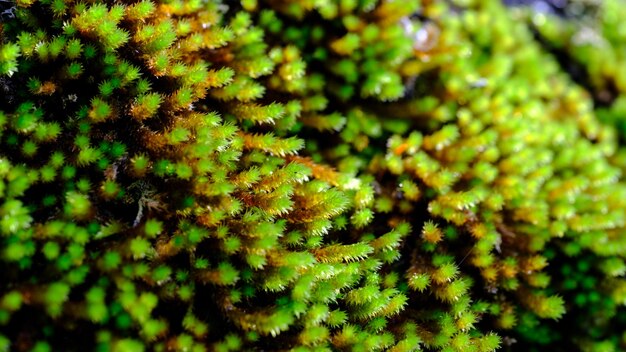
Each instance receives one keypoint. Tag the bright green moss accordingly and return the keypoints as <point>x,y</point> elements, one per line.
<point>349,175</point>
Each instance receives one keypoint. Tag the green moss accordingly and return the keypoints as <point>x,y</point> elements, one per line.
<point>349,175</point>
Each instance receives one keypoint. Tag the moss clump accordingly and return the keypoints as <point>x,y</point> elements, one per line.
<point>351,175</point>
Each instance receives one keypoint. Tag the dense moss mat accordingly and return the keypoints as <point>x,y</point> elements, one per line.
<point>351,175</point>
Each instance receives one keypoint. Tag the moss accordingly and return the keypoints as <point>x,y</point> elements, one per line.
<point>349,175</point>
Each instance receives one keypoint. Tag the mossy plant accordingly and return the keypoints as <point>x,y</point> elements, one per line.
<point>297,175</point>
